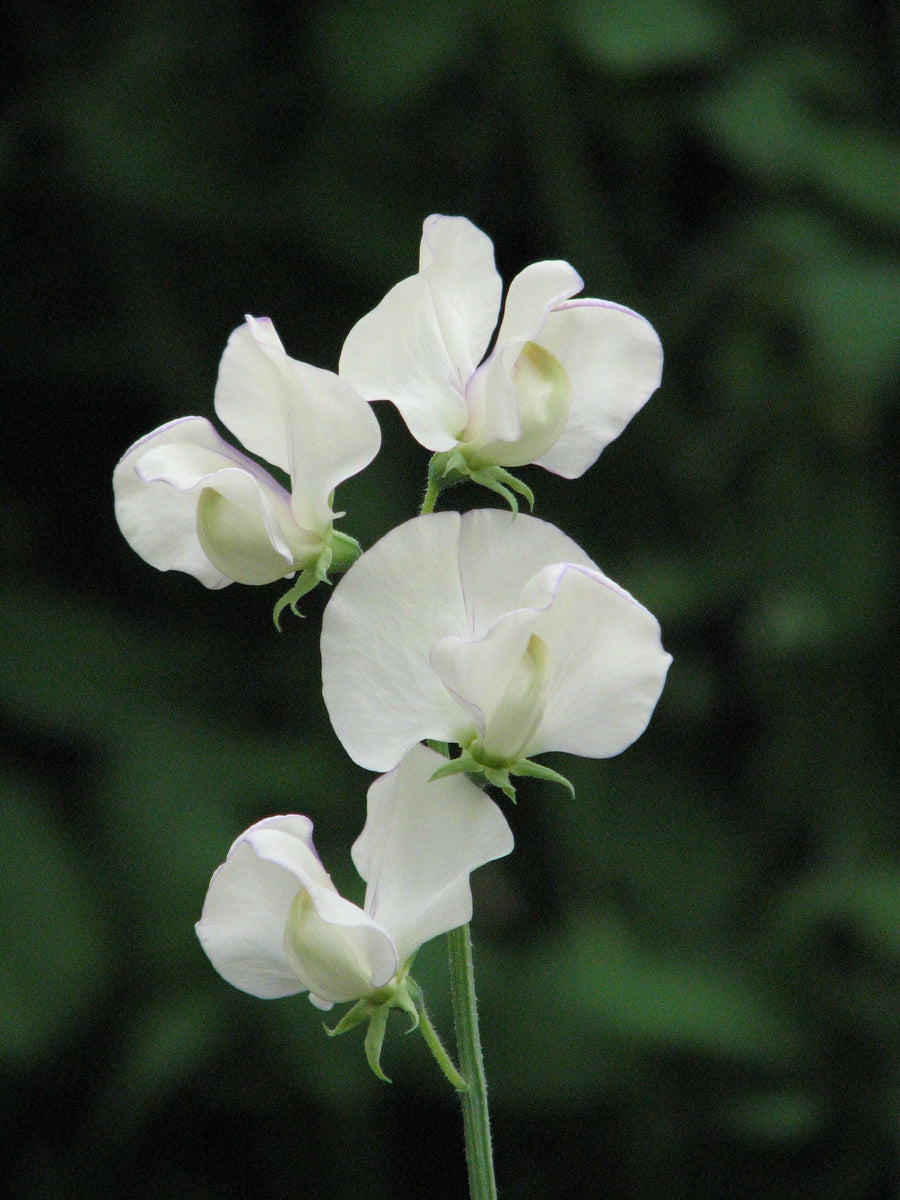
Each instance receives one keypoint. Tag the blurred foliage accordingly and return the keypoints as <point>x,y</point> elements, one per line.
<point>690,977</point>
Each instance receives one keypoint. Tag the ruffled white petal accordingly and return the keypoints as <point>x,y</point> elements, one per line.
<point>498,413</point>
<point>239,532</point>
<point>518,406</point>
<point>333,434</point>
<point>303,419</point>
<point>421,344</point>
<point>252,391</point>
<point>613,358</point>
<point>533,293</point>
<point>607,666</point>
<point>242,924</point>
<point>498,554</point>
<point>157,486</point>
<point>420,842</point>
<point>378,629</point>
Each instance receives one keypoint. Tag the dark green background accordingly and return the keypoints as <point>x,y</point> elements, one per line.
<point>690,976</point>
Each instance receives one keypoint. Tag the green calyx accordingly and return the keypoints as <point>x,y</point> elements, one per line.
<point>403,993</point>
<point>338,553</point>
<point>451,466</point>
<point>374,1008</point>
<point>471,762</point>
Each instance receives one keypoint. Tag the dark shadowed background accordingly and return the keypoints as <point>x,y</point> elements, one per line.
<point>690,976</point>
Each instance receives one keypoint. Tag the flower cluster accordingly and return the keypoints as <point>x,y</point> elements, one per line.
<point>488,631</point>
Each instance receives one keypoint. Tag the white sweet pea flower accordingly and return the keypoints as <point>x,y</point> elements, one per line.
<point>188,501</point>
<point>563,379</point>
<point>494,632</point>
<point>273,923</point>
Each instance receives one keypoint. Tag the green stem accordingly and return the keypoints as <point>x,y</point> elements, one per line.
<point>436,1046</point>
<point>431,495</point>
<point>476,1120</point>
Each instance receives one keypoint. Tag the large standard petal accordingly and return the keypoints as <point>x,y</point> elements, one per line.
<point>333,434</point>
<point>498,553</point>
<point>157,484</point>
<point>249,898</point>
<point>379,626</point>
<point>421,344</point>
<point>251,391</point>
<point>613,359</point>
<point>420,842</point>
<point>607,665</point>
<point>301,418</point>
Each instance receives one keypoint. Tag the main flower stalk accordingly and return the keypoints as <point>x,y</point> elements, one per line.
<point>476,1118</point>
<point>476,1115</point>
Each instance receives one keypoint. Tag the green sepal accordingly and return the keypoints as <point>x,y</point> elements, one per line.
<point>308,579</point>
<point>340,553</point>
<point>534,770</point>
<point>405,995</point>
<point>451,466</point>
<point>499,777</point>
<point>345,550</point>
<point>360,1012</point>
<point>499,774</point>
<point>375,1040</point>
<point>501,481</point>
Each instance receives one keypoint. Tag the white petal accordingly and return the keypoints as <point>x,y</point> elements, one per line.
<point>421,344</point>
<point>378,629</point>
<point>502,408</point>
<point>271,872</point>
<point>333,434</point>
<point>436,576</point>
<point>157,485</point>
<point>478,672</point>
<point>533,293</point>
<point>242,925</point>
<point>498,554</point>
<point>303,419</point>
<point>251,391</point>
<point>420,842</point>
<point>607,664</point>
<point>238,532</point>
<point>613,358</point>
<point>518,406</point>
<point>337,950</point>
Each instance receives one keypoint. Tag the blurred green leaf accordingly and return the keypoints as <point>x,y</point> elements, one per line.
<point>599,996</point>
<point>642,36</point>
<point>776,117</point>
<point>775,1116</point>
<point>53,966</point>
<point>382,54</point>
<point>866,899</point>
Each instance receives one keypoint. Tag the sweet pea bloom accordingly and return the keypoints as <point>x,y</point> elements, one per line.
<point>494,632</point>
<point>563,379</point>
<point>188,501</point>
<point>273,923</point>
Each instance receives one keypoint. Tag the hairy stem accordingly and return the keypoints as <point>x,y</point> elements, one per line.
<point>476,1120</point>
